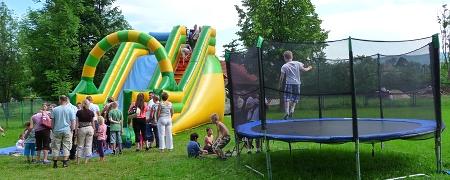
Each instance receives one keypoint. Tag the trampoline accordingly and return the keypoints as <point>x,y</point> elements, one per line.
<point>338,130</point>
<point>356,91</point>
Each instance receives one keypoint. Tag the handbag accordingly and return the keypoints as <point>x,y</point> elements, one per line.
<point>46,121</point>
<point>127,143</point>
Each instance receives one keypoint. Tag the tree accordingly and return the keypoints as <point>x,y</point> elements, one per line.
<point>50,38</point>
<point>233,46</point>
<point>277,21</point>
<point>12,69</point>
<point>444,22</point>
<point>98,18</point>
<point>280,21</point>
<point>58,38</point>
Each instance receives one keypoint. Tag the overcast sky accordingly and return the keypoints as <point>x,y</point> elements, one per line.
<point>367,19</point>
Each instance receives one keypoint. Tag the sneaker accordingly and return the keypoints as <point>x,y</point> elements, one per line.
<point>290,115</point>
<point>286,116</point>
<point>46,162</point>
<point>114,152</point>
<point>65,164</point>
<point>146,149</point>
<point>120,152</point>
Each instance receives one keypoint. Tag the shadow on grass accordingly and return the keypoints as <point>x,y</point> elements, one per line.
<point>333,164</point>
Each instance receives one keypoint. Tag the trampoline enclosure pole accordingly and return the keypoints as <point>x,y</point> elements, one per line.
<point>354,112</point>
<point>230,92</point>
<point>262,104</point>
<point>380,97</point>
<point>319,98</point>
<point>435,67</point>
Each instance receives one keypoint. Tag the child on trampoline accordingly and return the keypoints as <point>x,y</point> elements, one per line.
<point>223,137</point>
<point>290,75</point>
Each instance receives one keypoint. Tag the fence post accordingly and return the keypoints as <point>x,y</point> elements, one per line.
<point>7,113</point>
<point>21,111</point>
<point>31,106</point>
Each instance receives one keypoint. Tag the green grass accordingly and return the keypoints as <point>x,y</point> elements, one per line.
<point>308,160</point>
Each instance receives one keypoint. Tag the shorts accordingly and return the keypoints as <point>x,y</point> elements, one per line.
<point>115,137</point>
<point>30,149</point>
<point>221,143</point>
<point>42,140</point>
<point>292,92</point>
<point>61,140</point>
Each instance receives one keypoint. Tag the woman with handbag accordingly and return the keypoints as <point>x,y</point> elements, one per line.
<point>138,110</point>
<point>42,123</point>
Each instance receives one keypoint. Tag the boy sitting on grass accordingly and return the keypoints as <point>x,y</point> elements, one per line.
<point>222,139</point>
<point>193,147</point>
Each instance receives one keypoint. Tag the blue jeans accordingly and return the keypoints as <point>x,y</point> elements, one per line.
<point>30,149</point>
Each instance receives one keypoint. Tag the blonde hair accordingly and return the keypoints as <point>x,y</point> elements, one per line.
<point>85,104</point>
<point>287,55</point>
<point>214,117</point>
<point>114,104</point>
<point>101,120</point>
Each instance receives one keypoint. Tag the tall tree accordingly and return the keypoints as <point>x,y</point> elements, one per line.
<point>444,22</point>
<point>98,18</point>
<point>279,20</point>
<point>51,38</point>
<point>12,70</point>
<point>58,38</point>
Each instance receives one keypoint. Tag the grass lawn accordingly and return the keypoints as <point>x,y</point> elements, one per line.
<point>308,160</point>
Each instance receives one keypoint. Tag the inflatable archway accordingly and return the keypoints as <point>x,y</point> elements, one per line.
<point>87,86</point>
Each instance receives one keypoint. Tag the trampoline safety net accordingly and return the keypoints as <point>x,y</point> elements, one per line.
<point>393,83</point>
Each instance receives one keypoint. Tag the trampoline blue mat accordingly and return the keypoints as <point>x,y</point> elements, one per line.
<point>336,130</point>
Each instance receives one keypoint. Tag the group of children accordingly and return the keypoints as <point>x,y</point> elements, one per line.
<point>211,146</point>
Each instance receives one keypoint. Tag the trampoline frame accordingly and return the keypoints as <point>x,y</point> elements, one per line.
<point>435,73</point>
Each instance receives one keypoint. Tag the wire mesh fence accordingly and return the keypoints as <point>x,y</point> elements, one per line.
<point>15,113</point>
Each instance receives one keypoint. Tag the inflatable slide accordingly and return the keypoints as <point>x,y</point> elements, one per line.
<point>151,62</point>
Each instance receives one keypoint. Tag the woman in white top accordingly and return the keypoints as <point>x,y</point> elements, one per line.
<point>165,113</point>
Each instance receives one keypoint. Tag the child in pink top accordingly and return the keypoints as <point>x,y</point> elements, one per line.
<point>101,138</point>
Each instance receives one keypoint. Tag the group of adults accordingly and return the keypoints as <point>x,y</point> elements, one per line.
<point>67,121</point>
<point>152,122</point>
<point>73,128</point>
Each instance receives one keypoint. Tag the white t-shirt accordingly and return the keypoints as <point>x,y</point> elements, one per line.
<point>94,108</point>
<point>292,70</point>
<point>149,107</point>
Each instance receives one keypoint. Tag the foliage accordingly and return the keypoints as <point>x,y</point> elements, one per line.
<point>13,72</point>
<point>50,42</point>
<point>58,38</point>
<point>280,21</point>
<point>444,22</point>
<point>98,18</point>
<point>233,46</point>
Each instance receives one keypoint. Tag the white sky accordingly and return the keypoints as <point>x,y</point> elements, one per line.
<point>367,19</point>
